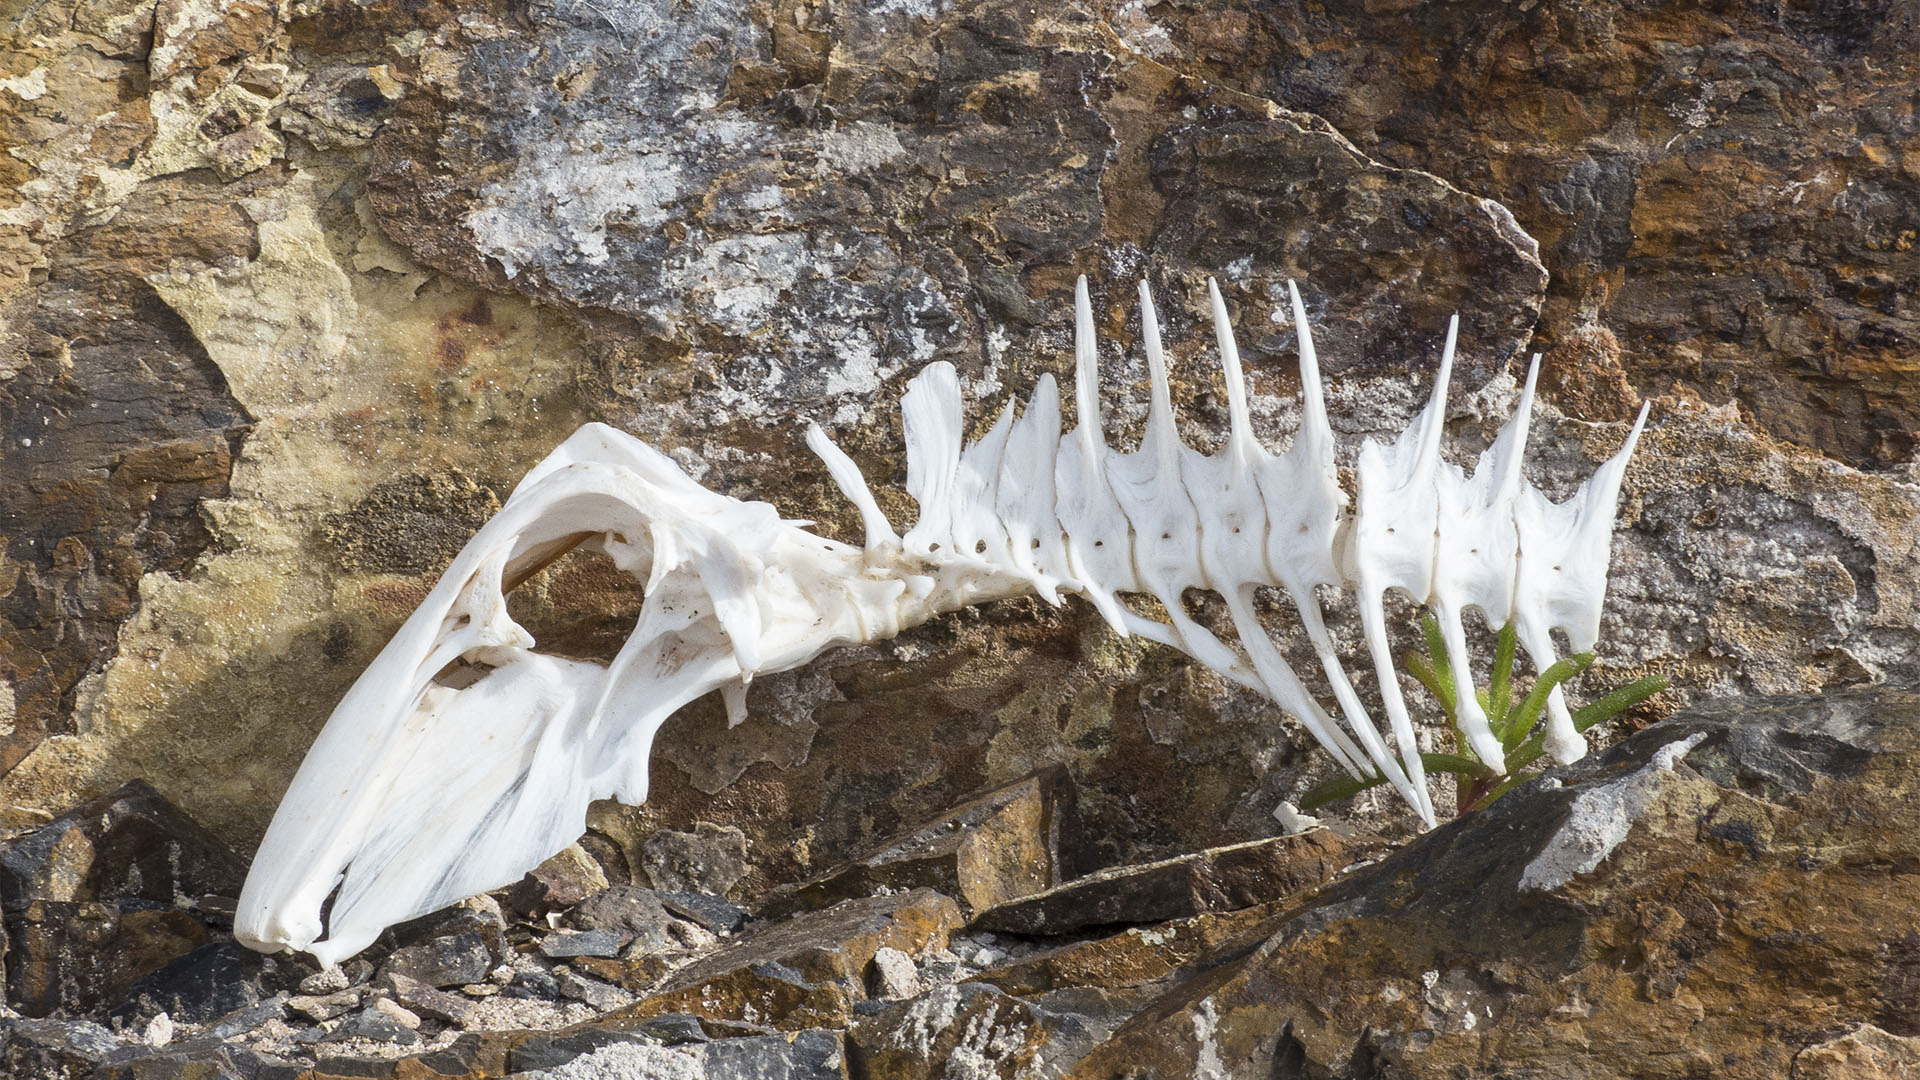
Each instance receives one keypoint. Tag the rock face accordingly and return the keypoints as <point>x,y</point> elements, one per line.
<point>103,897</point>
<point>1728,893</point>
<point>1721,895</point>
<point>1719,193</point>
<point>292,294</point>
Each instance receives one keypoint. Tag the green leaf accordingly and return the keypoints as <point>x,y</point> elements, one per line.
<point>1500,691</point>
<point>1340,787</point>
<point>1600,709</point>
<point>1458,764</point>
<point>1436,683</point>
<point>1625,697</point>
<point>1528,713</point>
<point>1344,787</point>
<point>1437,650</point>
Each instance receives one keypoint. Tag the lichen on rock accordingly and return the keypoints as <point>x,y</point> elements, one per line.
<point>254,290</point>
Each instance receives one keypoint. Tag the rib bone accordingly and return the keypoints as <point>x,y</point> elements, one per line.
<point>517,743</point>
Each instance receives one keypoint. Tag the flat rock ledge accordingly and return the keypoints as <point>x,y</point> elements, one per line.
<point>1729,894</point>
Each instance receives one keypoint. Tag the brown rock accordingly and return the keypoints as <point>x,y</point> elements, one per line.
<point>106,895</point>
<point>1679,168</point>
<point>130,845</point>
<point>1137,956</point>
<point>1708,898</point>
<point>807,971</point>
<point>1866,1053</point>
<point>245,418</point>
<point>561,882</point>
<point>985,852</point>
<point>1219,879</point>
<point>80,957</point>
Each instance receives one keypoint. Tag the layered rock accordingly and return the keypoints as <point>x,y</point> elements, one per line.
<point>1727,893</point>
<point>290,295</point>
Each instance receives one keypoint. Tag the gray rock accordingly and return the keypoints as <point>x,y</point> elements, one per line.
<point>808,1055</point>
<point>892,975</point>
<point>375,1025</point>
<point>629,910</point>
<point>710,859</point>
<point>714,913</point>
<point>601,995</point>
<point>565,944</point>
<point>429,1002</point>
<point>945,1031</point>
<point>544,1052</point>
<point>532,983</point>
<point>448,961</point>
<point>209,984</point>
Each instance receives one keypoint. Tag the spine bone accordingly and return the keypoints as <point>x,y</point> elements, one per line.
<point>522,742</point>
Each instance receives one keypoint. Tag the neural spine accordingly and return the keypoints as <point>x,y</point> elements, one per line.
<point>520,743</point>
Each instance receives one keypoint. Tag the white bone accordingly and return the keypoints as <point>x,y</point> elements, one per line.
<point>1233,545</point>
<point>846,476</point>
<point>1099,540</point>
<point>1306,511</point>
<point>462,758</point>
<point>977,529</point>
<point>1477,559</point>
<point>1148,486</point>
<point>1395,524</point>
<point>1562,579</point>
<point>930,415</point>
<point>1026,495</point>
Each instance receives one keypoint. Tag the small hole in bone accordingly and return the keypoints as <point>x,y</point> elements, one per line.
<point>979,547</point>
<point>460,674</point>
<point>933,546</point>
<point>1036,543</point>
<point>1099,543</point>
<point>1166,536</point>
<point>1303,530</point>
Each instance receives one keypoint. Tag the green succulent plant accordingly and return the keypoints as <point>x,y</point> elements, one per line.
<point>1477,784</point>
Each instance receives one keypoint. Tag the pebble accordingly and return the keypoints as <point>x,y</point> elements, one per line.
<point>159,1031</point>
<point>398,1013</point>
<point>893,976</point>
<point>324,982</point>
